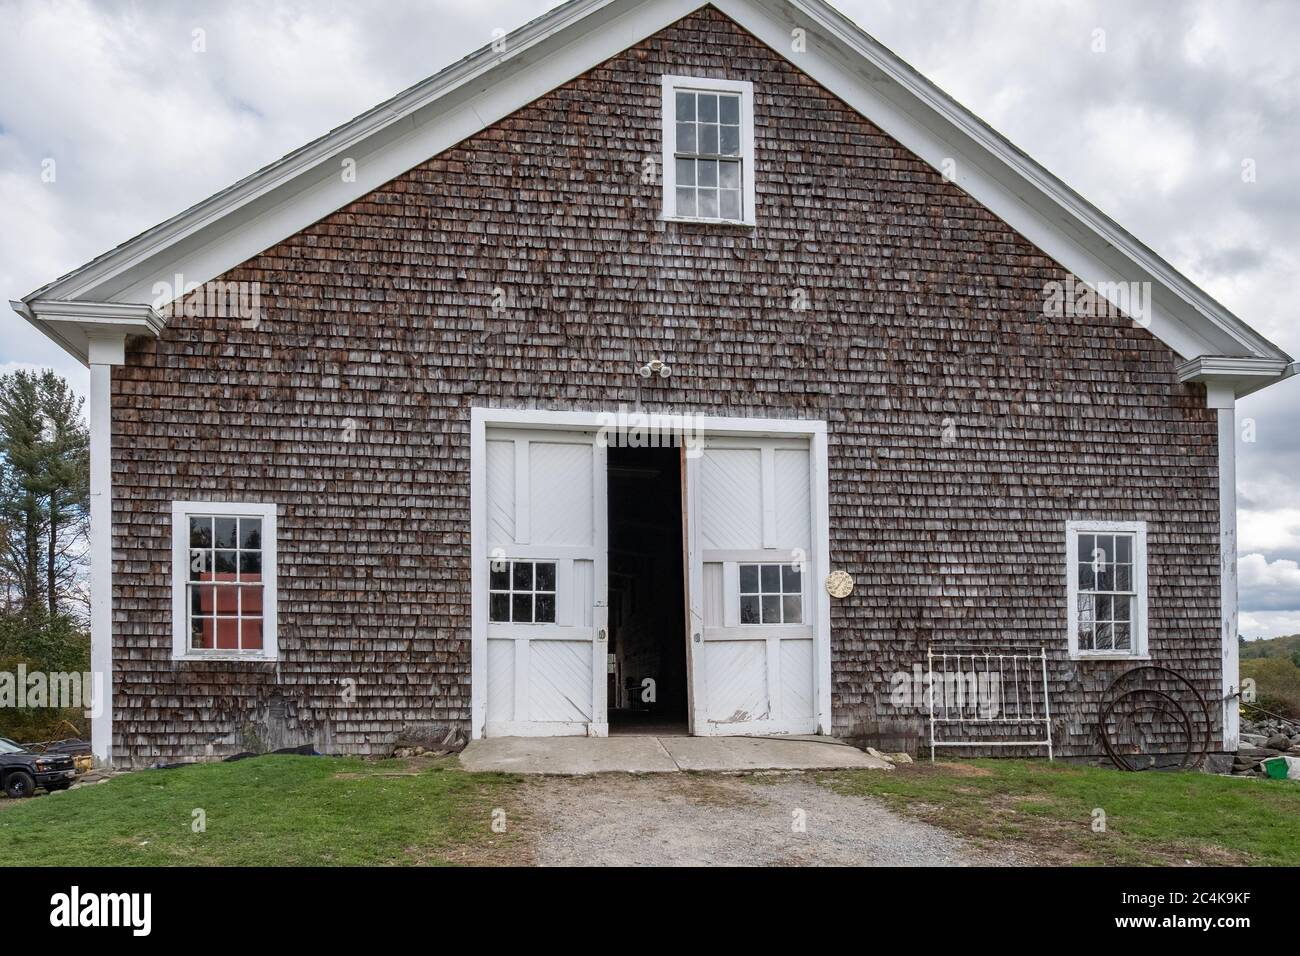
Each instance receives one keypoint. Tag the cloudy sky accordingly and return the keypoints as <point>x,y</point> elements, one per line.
<point>1154,128</point>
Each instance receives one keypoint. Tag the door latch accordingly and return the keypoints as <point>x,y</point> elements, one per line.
<point>696,638</point>
<point>600,634</point>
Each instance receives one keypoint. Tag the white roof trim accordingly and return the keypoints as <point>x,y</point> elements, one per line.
<point>77,325</point>
<point>1236,374</point>
<point>287,196</point>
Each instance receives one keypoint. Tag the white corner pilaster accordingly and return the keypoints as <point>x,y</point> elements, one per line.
<point>1228,572</point>
<point>104,352</point>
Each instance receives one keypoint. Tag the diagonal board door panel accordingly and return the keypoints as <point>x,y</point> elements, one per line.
<point>545,506</point>
<point>756,667</point>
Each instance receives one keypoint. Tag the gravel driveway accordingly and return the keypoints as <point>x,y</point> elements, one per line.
<point>719,820</point>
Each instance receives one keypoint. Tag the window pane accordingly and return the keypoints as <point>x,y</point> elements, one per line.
<point>1106,577</point>
<point>771,609</point>
<point>1102,642</point>
<point>708,172</point>
<point>749,579</point>
<point>686,202</point>
<point>201,632</point>
<point>227,600</point>
<point>200,564</point>
<point>792,605</point>
<point>749,609</point>
<point>1104,607</point>
<point>546,608</point>
<point>1121,637</point>
<point>1086,637</point>
<point>729,109</point>
<point>499,608</point>
<point>202,600</point>
<point>545,577</point>
<point>225,565</point>
<point>1087,577</point>
<point>250,601</point>
<point>500,576</point>
<point>1086,543</point>
<point>523,576</point>
<point>1124,548</point>
<point>521,608</point>
<point>686,138</point>
<point>250,634</point>
<point>708,139</point>
<point>224,533</point>
<point>729,141</point>
<point>685,106</point>
<point>250,533</point>
<point>729,175</point>
<point>729,206</point>
<point>708,107</point>
<point>772,578</point>
<point>1123,577</point>
<point>227,633</point>
<point>250,565</point>
<point>791,579</point>
<point>685,172</point>
<point>200,532</point>
<point>1106,544</point>
<point>708,204</point>
<point>1123,609</point>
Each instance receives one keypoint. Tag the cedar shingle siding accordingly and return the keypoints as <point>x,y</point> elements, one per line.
<point>924,308</point>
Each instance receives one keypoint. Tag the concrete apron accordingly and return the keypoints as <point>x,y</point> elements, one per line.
<point>576,756</point>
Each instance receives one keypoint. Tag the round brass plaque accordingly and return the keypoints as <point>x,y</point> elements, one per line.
<point>839,584</point>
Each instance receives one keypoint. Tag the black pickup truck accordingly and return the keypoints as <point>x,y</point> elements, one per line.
<point>22,771</point>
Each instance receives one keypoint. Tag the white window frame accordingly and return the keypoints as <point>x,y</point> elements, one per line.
<point>1138,636</point>
<point>181,512</point>
<point>671,84</point>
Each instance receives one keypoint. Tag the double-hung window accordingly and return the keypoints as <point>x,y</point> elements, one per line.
<point>708,161</point>
<point>1106,567</point>
<point>224,580</point>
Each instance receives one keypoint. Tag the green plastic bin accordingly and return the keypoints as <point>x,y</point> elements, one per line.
<point>1275,768</point>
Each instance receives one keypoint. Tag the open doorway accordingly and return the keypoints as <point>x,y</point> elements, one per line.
<point>647,594</point>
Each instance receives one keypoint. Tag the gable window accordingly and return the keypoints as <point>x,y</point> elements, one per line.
<point>224,580</point>
<point>1107,588</point>
<point>522,592</point>
<point>771,594</point>
<point>708,161</point>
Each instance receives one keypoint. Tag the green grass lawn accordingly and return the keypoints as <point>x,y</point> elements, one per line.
<point>1047,810</point>
<point>269,811</point>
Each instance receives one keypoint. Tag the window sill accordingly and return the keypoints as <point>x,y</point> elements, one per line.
<point>1110,657</point>
<point>686,220</point>
<point>243,657</point>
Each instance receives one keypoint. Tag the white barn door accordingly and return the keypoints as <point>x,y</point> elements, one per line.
<point>752,597</point>
<point>546,595</point>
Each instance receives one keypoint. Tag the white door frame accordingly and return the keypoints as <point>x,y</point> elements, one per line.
<point>813,430</point>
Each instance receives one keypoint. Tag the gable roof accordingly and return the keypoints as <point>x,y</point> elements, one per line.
<point>285,197</point>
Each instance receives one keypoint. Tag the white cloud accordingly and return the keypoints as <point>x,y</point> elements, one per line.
<point>1269,624</point>
<point>1265,585</point>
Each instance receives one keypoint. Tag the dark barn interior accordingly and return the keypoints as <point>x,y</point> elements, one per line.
<point>647,595</point>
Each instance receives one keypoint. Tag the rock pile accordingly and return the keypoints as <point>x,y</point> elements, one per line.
<point>1264,738</point>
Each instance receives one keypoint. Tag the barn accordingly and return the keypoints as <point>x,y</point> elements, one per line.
<point>695,367</point>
